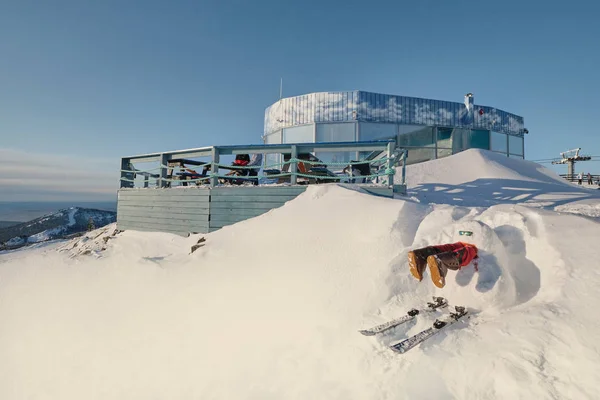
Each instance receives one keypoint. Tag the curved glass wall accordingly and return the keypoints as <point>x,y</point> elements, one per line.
<point>424,143</point>
<point>344,132</point>
<point>377,131</point>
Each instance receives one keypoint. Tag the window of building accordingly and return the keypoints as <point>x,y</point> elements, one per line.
<point>374,131</point>
<point>470,139</point>
<point>336,157</point>
<point>515,145</point>
<point>444,138</point>
<point>419,141</point>
<point>479,139</point>
<point>419,136</point>
<point>299,134</point>
<point>273,138</point>
<point>345,132</point>
<point>498,142</point>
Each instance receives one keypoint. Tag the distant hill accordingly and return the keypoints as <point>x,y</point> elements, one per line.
<point>5,224</point>
<point>61,224</point>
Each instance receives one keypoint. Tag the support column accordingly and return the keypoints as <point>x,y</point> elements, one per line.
<point>389,164</point>
<point>214,169</point>
<point>404,159</point>
<point>164,161</point>
<point>126,166</point>
<point>571,170</point>
<point>294,165</point>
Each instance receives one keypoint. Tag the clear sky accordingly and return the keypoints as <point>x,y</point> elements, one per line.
<point>83,83</point>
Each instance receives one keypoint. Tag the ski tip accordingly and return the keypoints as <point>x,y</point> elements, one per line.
<point>366,333</point>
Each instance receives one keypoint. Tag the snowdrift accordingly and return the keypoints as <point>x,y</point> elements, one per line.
<point>270,308</point>
<point>482,178</point>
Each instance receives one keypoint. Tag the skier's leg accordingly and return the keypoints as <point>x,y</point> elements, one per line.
<point>417,260</point>
<point>439,265</point>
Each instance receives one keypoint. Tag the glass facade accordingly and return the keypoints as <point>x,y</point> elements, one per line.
<point>345,132</point>
<point>376,131</point>
<point>336,157</point>
<point>445,138</point>
<point>470,139</point>
<point>299,134</point>
<point>419,141</point>
<point>424,143</point>
<point>498,142</point>
<point>515,145</point>
<point>273,138</point>
<point>429,129</point>
<point>271,160</point>
<point>349,106</point>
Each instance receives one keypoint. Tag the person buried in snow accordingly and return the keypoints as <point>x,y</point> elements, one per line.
<point>439,259</point>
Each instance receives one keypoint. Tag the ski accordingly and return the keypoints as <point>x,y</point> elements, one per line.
<point>439,324</point>
<point>438,302</point>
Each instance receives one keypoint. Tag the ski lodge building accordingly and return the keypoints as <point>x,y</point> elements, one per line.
<point>352,138</point>
<point>428,129</point>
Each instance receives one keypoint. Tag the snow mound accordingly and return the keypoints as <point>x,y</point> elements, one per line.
<point>473,164</point>
<point>90,243</point>
<point>483,178</point>
<point>271,307</point>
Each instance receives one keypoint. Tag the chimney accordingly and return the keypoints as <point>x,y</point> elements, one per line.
<point>469,101</point>
<point>467,118</point>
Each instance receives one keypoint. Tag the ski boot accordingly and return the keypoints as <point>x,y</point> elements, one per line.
<point>439,265</point>
<point>417,260</point>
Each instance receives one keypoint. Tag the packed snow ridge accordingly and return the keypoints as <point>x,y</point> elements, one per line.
<point>483,178</point>
<point>271,307</point>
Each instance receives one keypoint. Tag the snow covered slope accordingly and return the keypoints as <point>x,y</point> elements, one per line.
<point>482,178</point>
<point>270,308</point>
<point>55,225</point>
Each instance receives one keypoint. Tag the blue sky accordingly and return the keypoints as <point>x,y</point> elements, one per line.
<point>83,83</point>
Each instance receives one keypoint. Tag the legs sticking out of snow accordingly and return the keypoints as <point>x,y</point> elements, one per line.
<point>440,259</point>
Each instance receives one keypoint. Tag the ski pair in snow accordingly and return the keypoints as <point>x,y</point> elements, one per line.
<point>438,302</point>
<point>441,258</point>
<point>439,324</point>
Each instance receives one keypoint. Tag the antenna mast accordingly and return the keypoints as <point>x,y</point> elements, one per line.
<point>280,88</point>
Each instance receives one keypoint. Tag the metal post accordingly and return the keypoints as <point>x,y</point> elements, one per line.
<point>435,141</point>
<point>294,165</point>
<point>389,163</point>
<point>164,160</point>
<point>214,168</point>
<point>571,170</point>
<point>351,179</point>
<point>126,166</point>
<point>404,158</point>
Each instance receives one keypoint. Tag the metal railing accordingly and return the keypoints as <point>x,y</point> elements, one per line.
<point>574,178</point>
<point>181,167</point>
